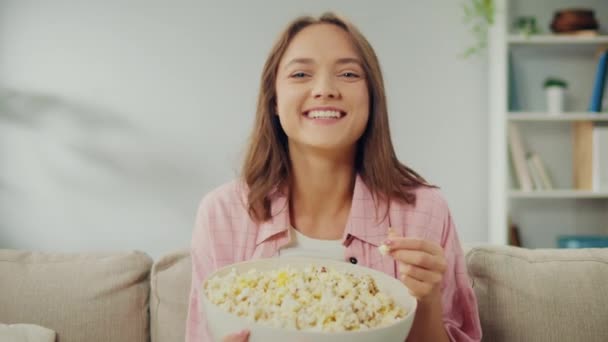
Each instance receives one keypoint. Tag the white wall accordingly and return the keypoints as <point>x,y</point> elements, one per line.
<point>118,116</point>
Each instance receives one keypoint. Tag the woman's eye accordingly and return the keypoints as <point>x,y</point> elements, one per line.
<point>298,75</point>
<point>349,75</point>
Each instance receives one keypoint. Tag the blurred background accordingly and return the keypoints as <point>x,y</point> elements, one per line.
<point>116,117</point>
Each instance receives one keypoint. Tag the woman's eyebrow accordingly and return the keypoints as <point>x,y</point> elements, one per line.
<point>300,61</point>
<point>349,60</point>
<point>339,61</point>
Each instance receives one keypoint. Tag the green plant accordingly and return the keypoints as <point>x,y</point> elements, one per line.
<point>555,82</point>
<point>479,17</point>
<point>526,26</point>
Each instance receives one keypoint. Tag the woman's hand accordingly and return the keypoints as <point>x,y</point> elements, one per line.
<point>421,265</point>
<point>242,336</point>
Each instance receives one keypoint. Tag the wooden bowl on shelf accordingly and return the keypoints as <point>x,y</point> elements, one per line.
<point>573,20</point>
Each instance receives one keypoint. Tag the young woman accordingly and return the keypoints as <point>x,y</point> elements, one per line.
<point>321,178</point>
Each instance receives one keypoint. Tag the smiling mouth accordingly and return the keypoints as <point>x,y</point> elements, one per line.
<point>325,114</point>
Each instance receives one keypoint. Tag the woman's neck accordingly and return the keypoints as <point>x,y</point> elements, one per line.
<point>321,193</point>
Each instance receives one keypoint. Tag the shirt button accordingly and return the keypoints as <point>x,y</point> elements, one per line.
<point>353,260</point>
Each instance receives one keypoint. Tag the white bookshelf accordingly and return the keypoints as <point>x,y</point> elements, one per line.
<point>557,40</point>
<point>558,194</point>
<point>541,116</point>
<point>540,215</point>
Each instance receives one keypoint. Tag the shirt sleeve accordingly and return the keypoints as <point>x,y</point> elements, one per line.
<point>203,263</point>
<point>460,313</point>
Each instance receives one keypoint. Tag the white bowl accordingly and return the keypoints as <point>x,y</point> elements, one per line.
<point>222,323</point>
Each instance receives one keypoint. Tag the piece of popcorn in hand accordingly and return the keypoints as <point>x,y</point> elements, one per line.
<point>383,249</point>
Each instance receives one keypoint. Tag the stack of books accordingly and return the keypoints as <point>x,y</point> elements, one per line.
<point>530,171</point>
<point>589,159</point>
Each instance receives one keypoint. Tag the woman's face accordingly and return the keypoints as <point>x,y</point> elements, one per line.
<point>322,95</point>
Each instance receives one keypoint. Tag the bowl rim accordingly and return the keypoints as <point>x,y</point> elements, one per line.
<point>227,268</point>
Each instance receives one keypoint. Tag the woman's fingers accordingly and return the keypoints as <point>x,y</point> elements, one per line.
<point>420,264</point>
<point>414,244</point>
<point>242,336</point>
<point>419,259</point>
<point>419,274</point>
<point>416,287</point>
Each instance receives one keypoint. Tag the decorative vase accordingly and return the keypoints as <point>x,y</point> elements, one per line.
<point>555,99</point>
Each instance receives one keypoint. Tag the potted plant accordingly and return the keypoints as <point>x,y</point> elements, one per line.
<point>554,89</point>
<point>478,16</point>
<point>526,26</point>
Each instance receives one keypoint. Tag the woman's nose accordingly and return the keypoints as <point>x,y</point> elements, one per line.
<point>325,87</point>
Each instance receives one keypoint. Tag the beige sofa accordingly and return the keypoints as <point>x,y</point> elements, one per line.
<point>524,295</point>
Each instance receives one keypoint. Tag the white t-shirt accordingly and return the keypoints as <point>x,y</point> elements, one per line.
<point>301,245</point>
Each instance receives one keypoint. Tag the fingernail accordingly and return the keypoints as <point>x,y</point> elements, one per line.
<point>244,333</point>
<point>388,242</point>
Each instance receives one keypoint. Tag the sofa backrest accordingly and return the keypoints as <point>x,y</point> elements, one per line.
<point>523,295</point>
<point>541,294</point>
<point>170,289</point>
<point>82,297</point>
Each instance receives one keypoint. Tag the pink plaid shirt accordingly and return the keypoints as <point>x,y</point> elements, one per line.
<point>225,234</point>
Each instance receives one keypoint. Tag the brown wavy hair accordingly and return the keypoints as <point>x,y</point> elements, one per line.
<point>267,165</point>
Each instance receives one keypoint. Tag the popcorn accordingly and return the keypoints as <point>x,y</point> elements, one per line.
<point>316,298</point>
<point>383,249</point>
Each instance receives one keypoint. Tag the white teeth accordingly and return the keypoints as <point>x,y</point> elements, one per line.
<point>324,114</point>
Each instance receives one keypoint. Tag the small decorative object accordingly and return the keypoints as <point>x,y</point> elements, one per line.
<point>582,241</point>
<point>555,88</point>
<point>574,21</point>
<point>479,16</point>
<point>526,26</point>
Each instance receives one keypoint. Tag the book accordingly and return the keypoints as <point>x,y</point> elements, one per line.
<point>582,158</point>
<point>590,157</point>
<point>534,173</point>
<point>597,93</point>
<point>518,157</point>
<point>600,157</point>
<point>546,180</point>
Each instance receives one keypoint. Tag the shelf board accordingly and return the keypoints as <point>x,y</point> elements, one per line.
<point>571,116</point>
<point>559,194</point>
<point>557,40</point>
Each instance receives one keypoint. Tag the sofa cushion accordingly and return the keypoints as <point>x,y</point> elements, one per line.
<point>83,297</point>
<point>541,295</point>
<point>170,280</point>
<point>26,333</point>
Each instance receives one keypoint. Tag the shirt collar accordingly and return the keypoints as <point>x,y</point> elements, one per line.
<point>366,220</point>
<point>279,217</point>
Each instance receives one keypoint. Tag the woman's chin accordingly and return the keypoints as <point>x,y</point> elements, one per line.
<point>328,146</point>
